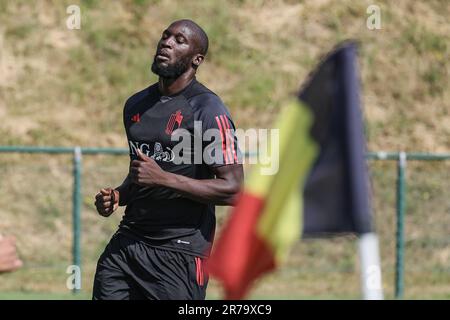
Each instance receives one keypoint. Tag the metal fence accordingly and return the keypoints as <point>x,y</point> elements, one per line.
<point>400,157</point>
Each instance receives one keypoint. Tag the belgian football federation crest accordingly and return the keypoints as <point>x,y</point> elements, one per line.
<point>175,119</point>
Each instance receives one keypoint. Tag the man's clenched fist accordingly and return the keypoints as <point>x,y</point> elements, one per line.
<point>146,172</point>
<point>107,201</point>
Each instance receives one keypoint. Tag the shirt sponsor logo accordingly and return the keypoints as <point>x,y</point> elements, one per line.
<point>159,154</point>
<point>216,144</point>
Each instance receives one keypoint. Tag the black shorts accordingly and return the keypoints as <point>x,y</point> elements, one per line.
<point>129,269</point>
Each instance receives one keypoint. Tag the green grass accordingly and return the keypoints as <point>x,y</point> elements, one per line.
<point>43,296</point>
<point>85,296</point>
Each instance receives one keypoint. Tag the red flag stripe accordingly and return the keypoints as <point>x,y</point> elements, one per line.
<point>223,140</point>
<point>239,247</point>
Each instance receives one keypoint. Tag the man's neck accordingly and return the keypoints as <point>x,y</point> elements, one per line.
<point>168,87</point>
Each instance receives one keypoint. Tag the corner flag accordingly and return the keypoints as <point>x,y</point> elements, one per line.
<point>322,174</point>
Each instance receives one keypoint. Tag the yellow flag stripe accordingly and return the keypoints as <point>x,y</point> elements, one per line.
<point>281,218</point>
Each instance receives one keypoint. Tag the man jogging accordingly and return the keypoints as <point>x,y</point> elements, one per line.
<point>168,227</point>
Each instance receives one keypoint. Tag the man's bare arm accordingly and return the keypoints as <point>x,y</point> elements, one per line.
<point>124,191</point>
<point>220,191</point>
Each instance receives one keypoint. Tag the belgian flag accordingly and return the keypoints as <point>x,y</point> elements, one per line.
<point>321,186</point>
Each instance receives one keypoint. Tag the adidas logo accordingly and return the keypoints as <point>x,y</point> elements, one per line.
<point>136,118</point>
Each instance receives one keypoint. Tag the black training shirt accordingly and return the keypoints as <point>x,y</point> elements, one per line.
<point>160,216</point>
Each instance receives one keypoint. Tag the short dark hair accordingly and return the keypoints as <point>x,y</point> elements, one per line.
<point>200,34</point>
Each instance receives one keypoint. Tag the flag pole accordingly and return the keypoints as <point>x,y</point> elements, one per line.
<point>371,283</point>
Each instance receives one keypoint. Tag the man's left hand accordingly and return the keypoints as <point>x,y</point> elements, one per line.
<point>146,172</point>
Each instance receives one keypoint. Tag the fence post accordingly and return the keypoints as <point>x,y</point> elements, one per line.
<point>76,210</point>
<point>400,241</point>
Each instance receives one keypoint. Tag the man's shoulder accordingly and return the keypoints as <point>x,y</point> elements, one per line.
<point>204,100</point>
<point>140,95</point>
<point>198,89</point>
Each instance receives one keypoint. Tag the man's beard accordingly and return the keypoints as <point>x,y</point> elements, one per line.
<point>171,71</point>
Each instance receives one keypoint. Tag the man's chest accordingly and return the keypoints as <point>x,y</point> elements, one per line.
<point>150,126</point>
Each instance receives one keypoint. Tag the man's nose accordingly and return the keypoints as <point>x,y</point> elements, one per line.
<point>167,43</point>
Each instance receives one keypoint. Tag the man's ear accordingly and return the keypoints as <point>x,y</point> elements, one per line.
<point>198,59</point>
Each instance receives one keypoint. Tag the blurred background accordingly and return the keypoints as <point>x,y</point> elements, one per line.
<point>63,87</point>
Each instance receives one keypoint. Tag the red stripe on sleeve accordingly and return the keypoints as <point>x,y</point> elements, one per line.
<point>223,139</point>
<point>227,138</point>
<point>232,141</point>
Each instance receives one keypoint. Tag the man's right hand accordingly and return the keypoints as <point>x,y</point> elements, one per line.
<point>107,201</point>
<point>9,261</point>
